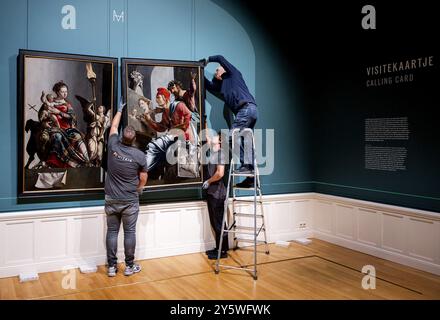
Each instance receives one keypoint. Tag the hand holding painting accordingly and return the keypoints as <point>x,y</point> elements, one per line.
<point>204,62</point>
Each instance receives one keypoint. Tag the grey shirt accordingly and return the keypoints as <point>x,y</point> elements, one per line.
<point>216,189</point>
<point>123,166</point>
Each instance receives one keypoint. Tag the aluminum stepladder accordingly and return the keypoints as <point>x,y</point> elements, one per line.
<point>234,228</point>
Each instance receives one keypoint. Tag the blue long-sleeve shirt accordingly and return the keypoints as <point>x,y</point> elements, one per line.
<point>231,89</point>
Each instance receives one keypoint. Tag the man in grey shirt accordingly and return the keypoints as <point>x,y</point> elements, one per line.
<point>126,177</point>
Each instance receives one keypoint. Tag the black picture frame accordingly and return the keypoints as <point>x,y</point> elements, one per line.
<point>180,70</point>
<point>38,70</point>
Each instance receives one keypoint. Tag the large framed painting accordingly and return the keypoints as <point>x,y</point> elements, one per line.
<point>165,105</point>
<point>65,105</point>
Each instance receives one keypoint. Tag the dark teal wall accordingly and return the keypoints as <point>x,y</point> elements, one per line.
<point>281,93</point>
<point>166,29</point>
<point>343,102</point>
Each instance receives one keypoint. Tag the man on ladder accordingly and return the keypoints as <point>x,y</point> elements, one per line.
<point>228,84</point>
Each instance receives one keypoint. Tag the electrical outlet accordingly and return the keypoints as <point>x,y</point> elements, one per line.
<point>303,225</point>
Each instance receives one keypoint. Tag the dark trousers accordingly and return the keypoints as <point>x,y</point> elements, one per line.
<point>127,213</point>
<point>246,117</point>
<point>216,210</point>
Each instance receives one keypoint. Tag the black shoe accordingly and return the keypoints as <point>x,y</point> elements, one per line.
<point>212,251</point>
<point>213,256</point>
<point>246,183</point>
<point>245,169</point>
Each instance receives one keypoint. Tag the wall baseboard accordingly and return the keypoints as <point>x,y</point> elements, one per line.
<point>403,235</point>
<point>56,240</point>
<point>380,253</point>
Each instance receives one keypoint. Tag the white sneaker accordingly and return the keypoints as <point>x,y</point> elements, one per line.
<point>135,268</point>
<point>111,272</point>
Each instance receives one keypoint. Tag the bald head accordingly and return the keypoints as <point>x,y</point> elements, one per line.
<point>219,72</point>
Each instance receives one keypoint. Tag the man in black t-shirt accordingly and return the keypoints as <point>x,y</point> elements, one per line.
<point>216,194</point>
<point>126,177</point>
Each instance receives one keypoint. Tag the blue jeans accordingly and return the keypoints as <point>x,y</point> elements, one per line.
<point>246,117</point>
<point>127,212</point>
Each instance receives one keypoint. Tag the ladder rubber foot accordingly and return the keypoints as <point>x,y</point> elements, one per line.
<point>267,252</point>
<point>255,277</point>
<point>216,271</point>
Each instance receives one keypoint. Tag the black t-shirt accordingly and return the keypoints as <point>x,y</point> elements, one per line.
<point>216,189</point>
<point>123,166</point>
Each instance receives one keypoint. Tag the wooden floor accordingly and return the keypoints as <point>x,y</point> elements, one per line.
<point>319,270</point>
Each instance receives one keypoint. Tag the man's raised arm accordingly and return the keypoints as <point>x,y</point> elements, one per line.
<point>117,118</point>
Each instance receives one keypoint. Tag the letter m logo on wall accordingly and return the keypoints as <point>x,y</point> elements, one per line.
<point>118,18</point>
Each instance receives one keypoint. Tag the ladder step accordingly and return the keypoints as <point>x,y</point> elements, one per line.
<point>248,228</point>
<point>239,232</point>
<point>243,174</point>
<point>249,240</point>
<point>240,188</point>
<point>239,214</point>
<point>248,201</point>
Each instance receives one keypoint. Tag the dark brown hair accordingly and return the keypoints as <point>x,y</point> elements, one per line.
<point>176,83</point>
<point>128,135</point>
<point>57,86</point>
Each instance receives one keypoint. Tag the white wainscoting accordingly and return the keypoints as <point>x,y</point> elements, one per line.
<point>407,236</point>
<point>51,240</point>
